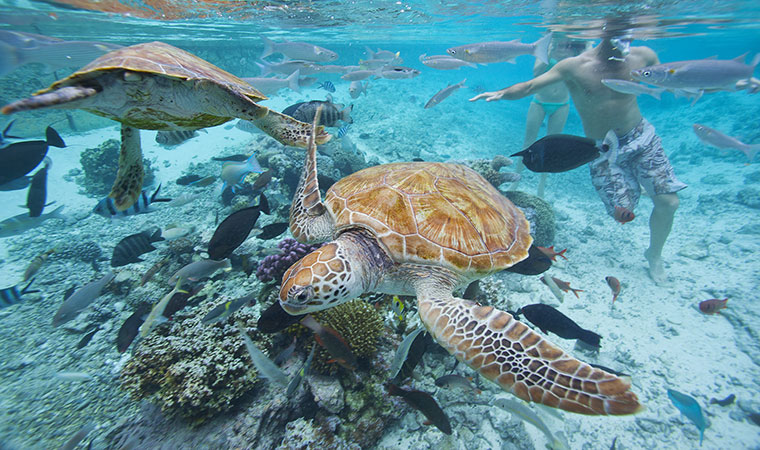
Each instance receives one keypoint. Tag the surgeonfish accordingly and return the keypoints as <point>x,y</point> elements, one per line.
<point>272,230</point>
<point>265,367</point>
<point>563,285</point>
<point>712,306</point>
<point>558,153</point>
<point>36,263</point>
<point>223,311</point>
<point>107,208</point>
<point>296,380</point>
<point>37,194</point>
<point>549,319</point>
<point>690,408</point>
<point>403,351</point>
<point>501,51</point>
<point>20,158</point>
<point>129,249</point>
<point>81,299</point>
<point>724,141</point>
<point>333,342</point>
<point>298,50</point>
<point>198,270</point>
<point>233,173</point>
<point>424,403</point>
<point>131,328</point>
<point>631,88</point>
<point>444,93</point>
<point>158,309</point>
<point>23,222</point>
<point>11,295</point>
<point>234,230</point>
<point>535,264</point>
<point>527,415</point>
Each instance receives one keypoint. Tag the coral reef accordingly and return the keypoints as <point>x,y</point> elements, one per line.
<point>100,165</point>
<point>304,434</point>
<point>489,169</point>
<point>86,251</point>
<point>190,368</point>
<point>539,213</point>
<point>273,267</point>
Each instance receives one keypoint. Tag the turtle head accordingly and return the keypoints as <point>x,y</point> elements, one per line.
<point>324,278</point>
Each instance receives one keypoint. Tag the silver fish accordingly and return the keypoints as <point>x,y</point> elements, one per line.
<point>80,299</point>
<point>697,74</point>
<point>296,381</point>
<point>382,54</point>
<point>198,270</point>
<point>444,62</point>
<point>298,50</point>
<point>443,94</point>
<point>356,88</point>
<point>226,309</point>
<point>527,415</point>
<point>403,351</point>
<point>631,88</point>
<point>270,86</point>
<point>264,365</point>
<point>22,222</point>
<point>288,67</point>
<point>723,141</point>
<point>159,308</point>
<point>359,75</point>
<point>500,51</point>
<point>398,72</point>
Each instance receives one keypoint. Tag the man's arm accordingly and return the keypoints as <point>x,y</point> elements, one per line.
<point>520,90</point>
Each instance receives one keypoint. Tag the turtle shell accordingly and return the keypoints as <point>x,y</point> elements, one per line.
<point>433,214</point>
<point>158,58</point>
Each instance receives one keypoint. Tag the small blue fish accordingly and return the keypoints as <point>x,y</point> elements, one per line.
<point>689,408</point>
<point>328,86</point>
<point>343,130</point>
<point>106,207</point>
<point>11,295</point>
<point>233,173</point>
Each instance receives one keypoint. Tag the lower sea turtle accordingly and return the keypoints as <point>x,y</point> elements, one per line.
<point>427,229</point>
<point>155,86</point>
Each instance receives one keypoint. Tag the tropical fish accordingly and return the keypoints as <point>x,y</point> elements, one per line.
<point>106,207</point>
<point>23,222</point>
<point>221,312</point>
<point>403,351</point>
<point>551,253</point>
<point>500,51</point>
<point>357,88</point>
<point>712,306</point>
<point>235,158</point>
<point>698,74</point>
<point>36,263</point>
<point>527,415</point>
<point>424,403</point>
<point>129,249</point>
<point>723,141</point>
<point>631,88</point>
<point>274,319</point>
<point>158,309</point>
<point>35,197</point>
<point>724,402</point>
<point>335,345</point>
<point>172,232</point>
<point>557,153</point>
<point>11,295</point>
<point>203,182</point>
<point>331,112</point>
<point>262,180</point>
<point>549,319</point>
<point>233,173</point>
<point>417,350</point>
<point>270,86</point>
<point>399,309</point>
<point>131,328</point>
<point>444,93</point>
<point>549,281</point>
<point>374,64</point>
<point>614,284</point>
<point>454,380</point>
<point>564,285</point>
<point>328,86</point>
<point>288,67</point>
<point>234,230</point>
<point>398,72</point>
<point>87,338</point>
<point>183,200</point>
<point>343,130</point>
<point>185,180</point>
<point>473,291</point>
<point>623,215</point>
<point>272,230</point>
<point>20,158</point>
<point>296,381</point>
<point>178,301</point>
<point>174,137</point>
<point>81,299</point>
<point>266,368</point>
<point>535,264</point>
<point>690,408</point>
<point>444,62</point>
<point>198,270</point>
<point>298,50</point>
<point>153,270</point>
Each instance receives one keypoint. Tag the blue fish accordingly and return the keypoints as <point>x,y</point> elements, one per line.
<point>233,173</point>
<point>106,207</point>
<point>11,295</point>
<point>328,86</point>
<point>343,130</point>
<point>689,408</point>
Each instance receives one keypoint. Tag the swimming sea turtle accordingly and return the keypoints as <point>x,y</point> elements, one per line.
<point>155,86</point>
<point>426,229</point>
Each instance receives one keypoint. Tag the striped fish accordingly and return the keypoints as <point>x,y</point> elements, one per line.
<point>106,207</point>
<point>175,137</point>
<point>11,295</point>
<point>129,249</point>
<point>343,130</point>
<point>331,112</point>
<point>328,86</point>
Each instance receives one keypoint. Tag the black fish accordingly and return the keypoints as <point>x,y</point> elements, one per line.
<point>20,158</point>
<point>35,198</point>
<point>235,158</point>
<point>424,403</point>
<point>129,249</point>
<point>187,179</point>
<point>234,230</point>
<point>725,402</point>
<point>417,350</point>
<point>547,318</point>
<point>560,152</point>
<point>272,230</point>
<point>754,418</point>
<point>131,327</point>
<point>87,338</point>
<point>11,295</point>
<point>178,301</point>
<point>536,263</point>
<point>275,319</point>
<point>331,112</point>
<point>473,291</point>
<point>172,138</point>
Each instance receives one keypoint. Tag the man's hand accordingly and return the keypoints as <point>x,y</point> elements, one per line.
<point>489,96</point>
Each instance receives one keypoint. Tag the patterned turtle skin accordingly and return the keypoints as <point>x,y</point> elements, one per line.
<point>427,229</point>
<point>156,86</point>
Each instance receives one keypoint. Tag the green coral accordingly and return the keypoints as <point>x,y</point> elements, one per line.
<point>540,215</point>
<point>100,165</point>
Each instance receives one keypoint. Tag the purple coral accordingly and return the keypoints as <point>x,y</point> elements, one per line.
<point>273,267</point>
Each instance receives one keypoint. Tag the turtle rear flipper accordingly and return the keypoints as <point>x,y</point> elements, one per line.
<point>50,99</point>
<point>287,130</point>
<point>129,179</point>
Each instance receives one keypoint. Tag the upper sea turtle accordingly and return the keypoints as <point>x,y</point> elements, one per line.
<point>427,229</point>
<point>156,86</point>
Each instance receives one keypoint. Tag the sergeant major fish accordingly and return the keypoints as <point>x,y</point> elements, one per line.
<point>500,51</point>
<point>107,208</point>
<point>11,295</point>
<point>444,93</point>
<point>174,137</point>
<point>129,249</point>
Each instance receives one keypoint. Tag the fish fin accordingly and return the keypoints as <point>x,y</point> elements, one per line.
<point>658,94</point>
<point>268,47</point>
<point>264,204</point>
<point>345,114</point>
<point>253,165</point>
<point>264,67</point>
<point>697,97</point>
<point>752,150</point>
<point>10,124</point>
<point>292,80</point>
<point>541,49</point>
<point>26,288</point>
<point>53,138</point>
<point>755,60</point>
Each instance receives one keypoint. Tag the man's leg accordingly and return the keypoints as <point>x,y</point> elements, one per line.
<point>533,123</point>
<point>660,223</point>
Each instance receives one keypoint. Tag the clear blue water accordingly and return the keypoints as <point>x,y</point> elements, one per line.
<point>655,333</point>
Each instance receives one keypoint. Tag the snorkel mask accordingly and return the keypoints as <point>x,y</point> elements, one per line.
<point>621,44</point>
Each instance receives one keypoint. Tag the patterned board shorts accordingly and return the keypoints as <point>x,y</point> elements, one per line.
<point>640,161</point>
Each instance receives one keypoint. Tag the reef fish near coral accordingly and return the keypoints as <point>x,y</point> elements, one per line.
<point>266,368</point>
<point>296,380</point>
<point>403,350</point>
<point>547,319</point>
<point>107,208</point>
<point>81,299</point>
<point>690,408</point>
<point>11,295</point>
<point>562,152</point>
<point>20,158</point>
<point>198,270</point>
<point>37,194</point>
<point>233,173</point>
<point>158,309</point>
<point>234,230</point>
<point>333,342</point>
<point>272,230</point>
<point>129,249</point>
<point>424,403</point>
<point>131,327</point>
<point>226,309</point>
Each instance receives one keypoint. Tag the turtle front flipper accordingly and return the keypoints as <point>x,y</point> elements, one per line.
<point>309,219</point>
<point>519,360</point>
<point>54,98</point>
<point>287,130</point>
<point>129,179</point>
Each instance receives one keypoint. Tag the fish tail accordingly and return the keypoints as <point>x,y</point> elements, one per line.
<point>292,80</point>
<point>26,288</point>
<point>590,338</point>
<point>658,93</point>
<point>751,151</point>
<point>541,48</point>
<point>345,114</point>
<point>575,291</point>
<point>253,165</point>
<point>154,198</point>
<point>264,67</point>
<point>269,46</point>
<point>53,138</point>
<point>755,60</point>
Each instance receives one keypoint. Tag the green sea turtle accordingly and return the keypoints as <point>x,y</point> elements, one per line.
<point>155,86</point>
<point>426,229</point>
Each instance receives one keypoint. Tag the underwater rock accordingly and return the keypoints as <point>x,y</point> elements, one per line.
<point>749,197</point>
<point>539,213</point>
<point>489,169</point>
<point>100,165</point>
<point>328,392</point>
<point>303,434</point>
